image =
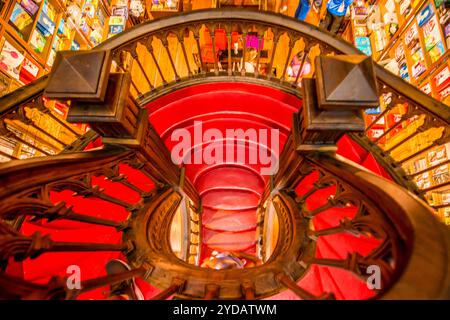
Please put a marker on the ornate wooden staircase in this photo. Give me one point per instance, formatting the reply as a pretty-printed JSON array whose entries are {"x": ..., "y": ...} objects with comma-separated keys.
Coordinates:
[{"x": 84, "y": 198}]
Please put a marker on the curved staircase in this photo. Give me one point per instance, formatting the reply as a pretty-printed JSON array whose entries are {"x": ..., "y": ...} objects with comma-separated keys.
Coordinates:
[{"x": 114, "y": 197}]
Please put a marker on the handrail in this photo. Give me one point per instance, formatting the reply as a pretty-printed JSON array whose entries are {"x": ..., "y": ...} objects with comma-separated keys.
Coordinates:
[
  {"x": 395, "y": 171},
  {"x": 22, "y": 94},
  {"x": 15, "y": 175},
  {"x": 426, "y": 273}
]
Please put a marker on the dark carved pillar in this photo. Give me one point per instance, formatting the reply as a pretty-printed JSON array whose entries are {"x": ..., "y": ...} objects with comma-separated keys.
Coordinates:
[
  {"x": 333, "y": 101},
  {"x": 333, "y": 104}
]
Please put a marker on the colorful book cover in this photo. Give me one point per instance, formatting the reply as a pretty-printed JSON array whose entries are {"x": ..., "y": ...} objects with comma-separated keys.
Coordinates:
[
  {"x": 442, "y": 78},
  {"x": 363, "y": 44},
  {"x": 418, "y": 69},
  {"x": 405, "y": 7},
  {"x": 376, "y": 110},
  {"x": 117, "y": 21},
  {"x": 438, "y": 3},
  {"x": 20, "y": 18},
  {"x": 375, "y": 133},
  {"x": 438, "y": 155},
  {"x": 51, "y": 58},
  {"x": 424, "y": 15},
  {"x": 360, "y": 11},
  {"x": 446, "y": 197},
  {"x": 89, "y": 9},
  {"x": 437, "y": 51},
  {"x": 404, "y": 73},
  {"x": 10, "y": 60},
  {"x": 360, "y": 31},
  {"x": 120, "y": 11},
  {"x": 38, "y": 41},
  {"x": 447, "y": 30},
  {"x": 75, "y": 46},
  {"x": 400, "y": 52},
  {"x": 101, "y": 16},
  {"x": 30, "y": 6},
  {"x": 426, "y": 88},
  {"x": 411, "y": 34},
  {"x": 444, "y": 93},
  {"x": 74, "y": 13},
  {"x": 440, "y": 175},
  {"x": 423, "y": 180},
  {"x": 45, "y": 25},
  {"x": 96, "y": 36},
  {"x": 432, "y": 38},
  {"x": 116, "y": 29},
  {"x": 420, "y": 164},
  {"x": 85, "y": 25},
  {"x": 49, "y": 10},
  {"x": 28, "y": 72},
  {"x": 370, "y": 118}
]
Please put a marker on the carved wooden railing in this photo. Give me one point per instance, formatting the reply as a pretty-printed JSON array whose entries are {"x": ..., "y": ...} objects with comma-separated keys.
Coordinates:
[
  {"x": 309, "y": 166},
  {"x": 411, "y": 250},
  {"x": 128, "y": 74},
  {"x": 32, "y": 126},
  {"x": 29, "y": 196}
]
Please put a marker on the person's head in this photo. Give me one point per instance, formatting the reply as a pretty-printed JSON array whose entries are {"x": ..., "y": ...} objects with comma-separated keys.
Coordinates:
[{"x": 252, "y": 54}]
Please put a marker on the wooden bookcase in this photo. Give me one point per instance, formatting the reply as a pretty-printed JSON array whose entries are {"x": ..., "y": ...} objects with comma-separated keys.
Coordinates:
[{"x": 36, "y": 29}]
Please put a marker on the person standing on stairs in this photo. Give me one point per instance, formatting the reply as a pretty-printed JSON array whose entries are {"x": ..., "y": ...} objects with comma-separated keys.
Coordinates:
[
  {"x": 336, "y": 10},
  {"x": 302, "y": 9}
]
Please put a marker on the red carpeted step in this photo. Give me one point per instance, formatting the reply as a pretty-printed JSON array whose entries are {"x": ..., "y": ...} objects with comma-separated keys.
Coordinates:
[
  {"x": 371, "y": 163},
  {"x": 351, "y": 150},
  {"x": 91, "y": 264},
  {"x": 230, "y": 177},
  {"x": 230, "y": 191},
  {"x": 229, "y": 220},
  {"x": 229, "y": 241}
]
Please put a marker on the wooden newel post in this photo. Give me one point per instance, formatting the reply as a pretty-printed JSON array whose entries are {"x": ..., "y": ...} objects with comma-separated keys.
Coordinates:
[
  {"x": 102, "y": 99},
  {"x": 333, "y": 104},
  {"x": 334, "y": 100}
]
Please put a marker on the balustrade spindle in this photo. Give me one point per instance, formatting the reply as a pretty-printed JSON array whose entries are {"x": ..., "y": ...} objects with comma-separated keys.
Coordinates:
[
  {"x": 149, "y": 47},
  {"x": 211, "y": 292},
  {"x": 291, "y": 285},
  {"x": 165, "y": 42},
  {"x": 20, "y": 247},
  {"x": 176, "y": 286},
  {"x": 292, "y": 41},
  {"x": 135, "y": 56},
  {"x": 248, "y": 291},
  {"x": 183, "y": 49},
  {"x": 276, "y": 37}
]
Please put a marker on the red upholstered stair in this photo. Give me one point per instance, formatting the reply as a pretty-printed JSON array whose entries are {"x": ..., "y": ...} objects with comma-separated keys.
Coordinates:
[{"x": 230, "y": 192}]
